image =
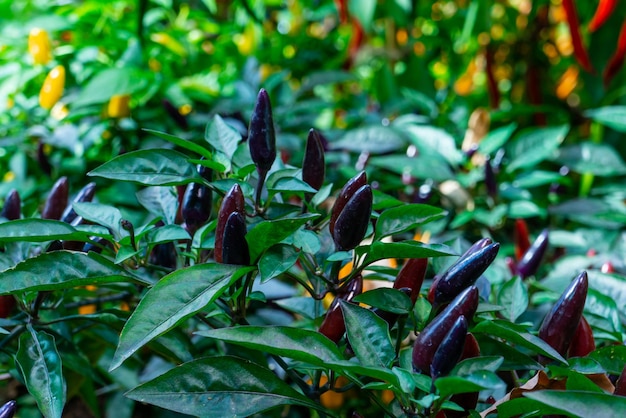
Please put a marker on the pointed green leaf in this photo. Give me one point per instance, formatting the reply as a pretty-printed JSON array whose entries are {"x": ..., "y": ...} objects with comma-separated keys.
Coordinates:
[
  {"x": 612, "y": 116},
  {"x": 475, "y": 382},
  {"x": 405, "y": 249},
  {"x": 174, "y": 298},
  {"x": 496, "y": 139},
  {"x": 219, "y": 387},
  {"x": 535, "y": 145},
  {"x": 105, "y": 215},
  {"x": 151, "y": 167},
  {"x": 223, "y": 138},
  {"x": 402, "y": 218},
  {"x": 276, "y": 261},
  {"x": 513, "y": 296},
  {"x": 368, "y": 335},
  {"x": 160, "y": 201},
  {"x": 387, "y": 299},
  {"x": 38, "y": 230},
  {"x": 40, "y": 364},
  {"x": 267, "y": 233},
  {"x": 183, "y": 143},
  {"x": 62, "y": 270},
  {"x": 582, "y": 404},
  {"x": 296, "y": 343}
]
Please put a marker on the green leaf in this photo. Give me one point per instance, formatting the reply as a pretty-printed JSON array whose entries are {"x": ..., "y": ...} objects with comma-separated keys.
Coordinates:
[
  {"x": 513, "y": 296},
  {"x": 582, "y": 404},
  {"x": 174, "y": 298},
  {"x": 387, "y": 299},
  {"x": 374, "y": 139},
  {"x": 160, "y": 201},
  {"x": 151, "y": 167},
  {"x": 612, "y": 358},
  {"x": 40, "y": 364},
  {"x": 477, "y": 381},
  {"x": 105, "y": 215},
  {"x": 521, "y": 209},
  {"x": 368, "y": 335},
  {"x": 363, "y": 11},
  {"x": 420, "y": 167},
  {"x": 597, "y": 159},
  {"x": 612, "y": 116},
  {"x": 535, "y": 145},
  {"x": 183, "y": 143},
  {"x": 293, "y": 185},
  {"x": 223, "y": 138},
  {"x": 405, "y": 249},
  {"x": 402, "y": 218},
  {"x": 359, "y": 371},
  {"x": 513, "y": 358},
  {"x": 517, "y": 335},
  {"x": 525, "y": 407},
  {"x": 475, "y": 364},
  {"x": 296, "y": 343},
  {"x": 38, "y": 230},
  {"x": 219, "y": 387},
  {"x": 109, "y": 82},
  {"x": 276, "y": 261},
  {"x": 434, "y": 141},
  {"x": 62, "y": 270},
  {"x": 167, "y": 233},
  {"x": 267, "y": 233},
  {"x": 496, "y": 139}
]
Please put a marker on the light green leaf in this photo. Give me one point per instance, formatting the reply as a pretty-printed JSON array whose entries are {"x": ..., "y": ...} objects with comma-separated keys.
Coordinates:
[
  {"x": 276, "y": 261},
  {"x": 160, "y": 201},
  {"x": 582, "y": 404},
  {"x": 374, "y": 139},
  {"x": 105, "y": 215},
  {"x": 183, "y": 143},
  {"x": 535, "y": 145},
  {"x": 513, "y": 296},
  {"x": 405, "y": 249},
  {"x": 223, "y": 138},
  {"x": 612, "y": 116}
]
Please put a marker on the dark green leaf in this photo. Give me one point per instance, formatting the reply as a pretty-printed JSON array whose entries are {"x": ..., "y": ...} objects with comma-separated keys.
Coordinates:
[
  {"x": 167, "y": 233},
  {"x": 373, "y": 139},
  {"x": 175, "y": 297},
  {"x": 535, "y": 145},
  {"x": 582, "y": 404},
  {"x": 612, "y": 358},
  {"x": 105, "y": 215},
  {"x": 219, "y": 387},
  {"x": 368, "y": 335},
  {"x": 420, "y": 167},
  {"x": 183, "y": 143},
  {"x": 40, "y": 364},
  {"x": 276, "y": 261},
  {"x": 402, "y": 218},
  {"x": 475, "y": 382},
  {"x": 475, "y": 364},
  {"x": 151, "y": 167},
  {"x": 160, "y": 201},
  {"x": 296, "y": 343},
  {"x": 387, "y": 299},
  {"x": 223, "y": 138},
  {"x": 405, "y": 249},
  {"x": 513, "y": 296},
  {"x": 597, "y": 159},
  {"x": 38, "y": 230},
  {"x": 62, "y": 270},
  {"x": 496, "y": 139},
  {"x": 267, "y": 233},
  {"x": 612, "y": 116}
]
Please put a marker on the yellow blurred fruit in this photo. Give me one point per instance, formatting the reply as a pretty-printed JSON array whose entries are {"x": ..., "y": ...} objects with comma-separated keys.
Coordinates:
[
  {"x": 119, "y": 106},
  {"x": 52, "y": 88},
  {"x": 39, "y": 46}
]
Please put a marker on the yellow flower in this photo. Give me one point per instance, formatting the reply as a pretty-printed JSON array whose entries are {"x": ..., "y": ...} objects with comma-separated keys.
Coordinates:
[
  {"x": 52, "y": 88},
  {"x": 118, "y": 106},
  {"x": 39, "y": 46}
]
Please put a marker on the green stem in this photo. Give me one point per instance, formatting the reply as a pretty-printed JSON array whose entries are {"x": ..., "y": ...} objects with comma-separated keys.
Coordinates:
[{"x": 258, "y": 209}]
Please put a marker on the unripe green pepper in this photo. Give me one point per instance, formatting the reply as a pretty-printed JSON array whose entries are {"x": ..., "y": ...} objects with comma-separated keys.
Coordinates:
[
  {"x": 12, "y": 209},
  {"x": 351, "y": 224},
  {"x": 529, "y": 264},
  {"x": 333, "y": 325},
  {"x": 261, "y": 135},
  {"x": 313, "y": 165},
  {"x": 345, "y": 194},
  {"x": 57, "y": 200},
  {"x": 450, "y": 349},
  {"x": 235, "y": 247},
  {"x": 85, "y": 194},
  {"x": 8, "y": 409},
  {"x": 583, "y": 342},
  {"x": 463, "y": 273},
  {"x": 233, "y": 202},
  {"x": 427, "y": 342},
  {"x": 560, "y": 324}
]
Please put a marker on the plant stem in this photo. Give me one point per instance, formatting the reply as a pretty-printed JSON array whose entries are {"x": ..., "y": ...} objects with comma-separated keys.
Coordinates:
[{"x": 258, "y": 209}]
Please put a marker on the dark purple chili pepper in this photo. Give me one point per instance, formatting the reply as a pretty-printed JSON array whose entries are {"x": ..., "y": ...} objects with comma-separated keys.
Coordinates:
[
  {"x": 233, "y": 202},
  {"x": 8, "y": 409},
  {"x": 235, "y": 247},
  {"x": 345, "y": 194},
  {"x": 490, "y": 179},
  {"x": 173, "y": 113},
  {"x": 529, "y": 264},
  {"x": 620, "y": 385},
  {"x": 583, "y": 342},
  {"x": 411, "y": 276},
  {"x": 84, "y": 195},
  {"x": 261, "y": 134},
  {"x": 450, "y": 349},
  {"x": 469, "y": 400},
  {"x": 428, "y": 340},
  {"x": 351, "y": 224},
  {"x": 333, "y": 325},
  {"x": 560, "y": 324},
  {"x": 57, "y": 200},
  {"x": 463, "y": 273},
  {"x": 313, "y": 165},
  {"x": 197, "y": 205},
  {"x": 12, "y": 209}
]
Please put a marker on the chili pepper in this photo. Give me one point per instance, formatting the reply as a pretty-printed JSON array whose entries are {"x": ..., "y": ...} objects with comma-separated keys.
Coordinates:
[
  {"x": 233, "y": 202},
  {"x": 351, "y": 224},
  {"x": 560, "y": 324},
  {"x": 12, "y": 209},
  {"x": 411, "y": 276},
  {"x": 57, "y": 200},
  {"x": 580, "y": 52},
  {"x": 42, "y": 158},
  {"x": 8, "y": 409},
  {"x": 39, "y": 46},
  {"x": 261, "y": 135},
  {"x": 197, "y": 203},
  {"x": 7, "y": 304},
  {"x": 164, "y": 254},
  {"x": 582, "y": 342},
  {"x": 603, "y": 12},
  {"x": 85, "y": 194},
  {"x": 333, "y": 325},
  {"x": 174, "y": 114},
  {"x": 533, "y": 85},
  {"x": 463, "y": 274},
  {"x": 52, "y": 88},
  {"x": 450, "y": 349},
  {"x": 529, "y": 264},
  {"x": 345, "y": 194},
  {"x": 520, "y": 236},
  {"x": 235, "y": 247},
  {"x": 620, "y": 385},
  {"x": 617, "y": 60},
  {"x": 118, "y": 106},
  {"x": 469, "y": 400},
  {"x": 427, "y": 342},
  {"x": 492, "y": 83},
  {"x": 490, "y": 179},
  {"x": 313, "y": 166}
]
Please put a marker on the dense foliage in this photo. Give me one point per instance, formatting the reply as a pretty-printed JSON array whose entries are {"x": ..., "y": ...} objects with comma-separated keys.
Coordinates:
[{"x": 312, "y": 208}]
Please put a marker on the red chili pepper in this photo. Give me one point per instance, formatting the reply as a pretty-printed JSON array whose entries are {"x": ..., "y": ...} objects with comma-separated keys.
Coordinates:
[
  {"x": 522, "y": 242},
  {"x": 579, "y": 49},
  {"x": 411, "y": 276},
  {"x": 603, "y": 12},
  {"x": 583, "y": 342},
  {"x": 333, "y": 325},
  {"x": 620, "y": 385},
  {"x": 617, "y": 60},
  {"x": 533, "y": 84},
  {"x": 233, "y": 202},
  {"x": 492, "y": 84}
]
